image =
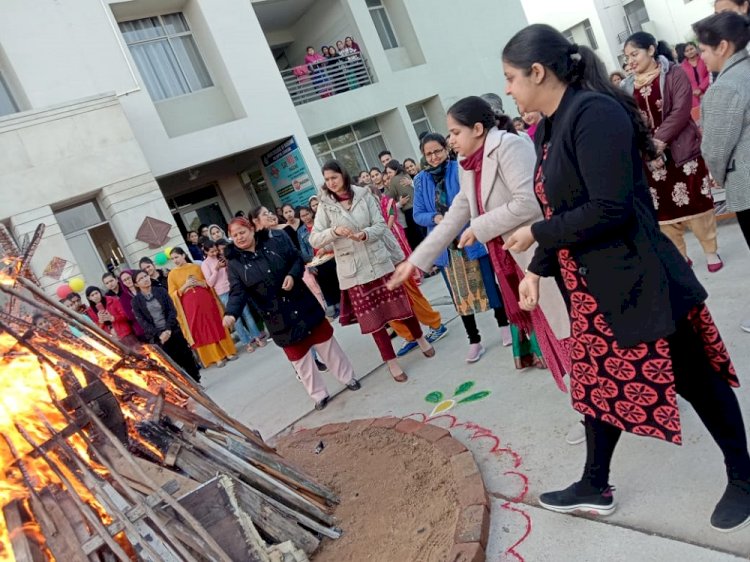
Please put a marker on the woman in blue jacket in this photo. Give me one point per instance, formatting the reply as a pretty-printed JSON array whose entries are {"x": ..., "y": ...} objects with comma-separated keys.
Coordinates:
[{"x": 467, "y": 272}]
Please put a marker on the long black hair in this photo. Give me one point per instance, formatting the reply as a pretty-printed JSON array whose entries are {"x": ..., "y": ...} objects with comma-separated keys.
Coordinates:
[
  {"x": 183, "y": 253},
  {"x": 473, "y": 109},
  {"x": 727, "y": 26},
  {"x": 574, "y": 65},
  {"x": 643, "y": 40}
]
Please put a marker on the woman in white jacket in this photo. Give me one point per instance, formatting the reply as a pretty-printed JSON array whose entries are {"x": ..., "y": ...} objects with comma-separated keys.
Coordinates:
[{"x": 349, "y": 219}]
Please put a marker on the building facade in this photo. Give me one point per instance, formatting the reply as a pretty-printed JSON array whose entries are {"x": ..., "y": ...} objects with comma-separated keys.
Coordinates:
[
  {"x": 125, "y": 123},
  {"x": 604, "y": 25}
]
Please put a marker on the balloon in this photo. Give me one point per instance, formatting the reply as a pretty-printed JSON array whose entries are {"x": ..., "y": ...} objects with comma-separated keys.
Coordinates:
[
  {"x": 161, "y": 259},
  {"x": 168, "y": 251},
  {"x": 76, "y": 284},
  {"x": 63, "y": 291}
]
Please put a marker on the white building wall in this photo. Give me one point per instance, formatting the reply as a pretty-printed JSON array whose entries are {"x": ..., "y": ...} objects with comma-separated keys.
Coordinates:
[
  {"x": 73, "y": 153},
  {"x": 78, "y": 53}
]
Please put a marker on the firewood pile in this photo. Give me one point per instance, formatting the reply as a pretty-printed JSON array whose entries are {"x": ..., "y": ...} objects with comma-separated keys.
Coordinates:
[{"x": 115, "y": 454}]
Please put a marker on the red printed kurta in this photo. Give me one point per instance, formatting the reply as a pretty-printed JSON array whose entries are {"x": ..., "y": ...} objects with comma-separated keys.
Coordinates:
[
  {"x": 631, "y": 388},
  {"x": 679, "y": 192}
]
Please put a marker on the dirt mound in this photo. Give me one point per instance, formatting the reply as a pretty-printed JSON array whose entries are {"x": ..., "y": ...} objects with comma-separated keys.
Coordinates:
[{"x": 398, "y": 501}]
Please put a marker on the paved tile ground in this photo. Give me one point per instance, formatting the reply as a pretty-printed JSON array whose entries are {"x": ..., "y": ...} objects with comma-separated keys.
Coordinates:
[{"x": 665, "y": 493}]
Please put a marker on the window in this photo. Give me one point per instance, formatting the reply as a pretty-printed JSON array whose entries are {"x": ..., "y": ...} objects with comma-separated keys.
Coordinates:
[
  {"x": 636, "y": 14},
  {"x": 356, "y": 146},
  {"x": 590, "y": 34},
  {"x": 7, "y": 104},
  {"x": 418, "y": 118},
  {"x": 166, "y": 55},
  {"x": 382, "y": 24},
  {"x": 91, "y": 239}
]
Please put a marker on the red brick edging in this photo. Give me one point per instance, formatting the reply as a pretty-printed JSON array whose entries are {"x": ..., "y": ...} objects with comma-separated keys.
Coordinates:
[{"x": 473, "y": 525}]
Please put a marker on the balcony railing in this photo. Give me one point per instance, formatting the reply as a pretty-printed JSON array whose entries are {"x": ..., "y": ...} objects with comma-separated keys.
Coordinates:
[{"x": 310, "y": 82}]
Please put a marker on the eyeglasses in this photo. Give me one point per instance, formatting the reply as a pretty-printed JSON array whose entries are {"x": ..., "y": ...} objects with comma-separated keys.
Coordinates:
[{"x": 433, "y": 154}]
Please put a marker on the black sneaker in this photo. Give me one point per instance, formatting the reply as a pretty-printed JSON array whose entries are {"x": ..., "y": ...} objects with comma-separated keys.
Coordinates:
[
  {"x": 733, "y": 510},
  {"x": 322, "y": 404},
  {"x": 353, "y": 385},
  {"x": 570, "y": 500},
  {"x": 322, "y": 367}
]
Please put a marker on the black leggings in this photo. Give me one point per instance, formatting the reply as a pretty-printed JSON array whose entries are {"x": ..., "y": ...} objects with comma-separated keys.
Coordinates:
[
  {"x": 328, "y": 280},
  {"x": 743, "y": 217},
  {"x": 470, "y": 324},
  {"x": 178, "y": 349},
  {"x": 711, "y": 397}
]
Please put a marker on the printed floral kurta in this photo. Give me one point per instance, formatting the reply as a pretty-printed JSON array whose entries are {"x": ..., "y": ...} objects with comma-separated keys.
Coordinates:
[{"x": 679, "y": 192}]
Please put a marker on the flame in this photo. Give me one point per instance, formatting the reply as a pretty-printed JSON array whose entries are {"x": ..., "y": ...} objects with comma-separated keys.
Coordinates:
[{"x": 27, "y": 388}]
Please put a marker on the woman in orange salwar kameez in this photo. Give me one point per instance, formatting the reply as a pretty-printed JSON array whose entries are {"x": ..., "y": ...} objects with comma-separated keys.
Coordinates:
[{"x": 199, "y": 312}]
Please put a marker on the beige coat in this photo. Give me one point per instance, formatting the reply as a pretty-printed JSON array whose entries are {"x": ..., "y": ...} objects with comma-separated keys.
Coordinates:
[
  {"x": 509, "y": 203},
  {"x": 356, "y": 262}
]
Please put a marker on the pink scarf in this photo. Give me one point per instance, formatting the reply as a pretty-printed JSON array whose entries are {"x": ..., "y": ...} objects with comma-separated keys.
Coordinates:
[{"x": 509, "y": 276}]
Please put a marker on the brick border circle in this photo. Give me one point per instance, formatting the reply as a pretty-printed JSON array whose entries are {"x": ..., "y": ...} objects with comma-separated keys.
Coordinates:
[{"x": 473, "y": 523}]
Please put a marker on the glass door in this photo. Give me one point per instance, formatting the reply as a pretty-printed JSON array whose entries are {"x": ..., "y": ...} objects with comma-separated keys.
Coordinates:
[{"x": 208, "y": 212}]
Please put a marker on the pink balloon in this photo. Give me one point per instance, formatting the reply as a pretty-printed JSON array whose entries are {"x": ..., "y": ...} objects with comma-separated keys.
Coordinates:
[{"x": 63, "y": 291}]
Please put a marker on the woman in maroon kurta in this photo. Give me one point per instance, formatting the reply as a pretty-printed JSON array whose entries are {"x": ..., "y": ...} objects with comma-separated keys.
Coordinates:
[
  {"x": 641, "y": 332},
  {"x": 679, "y": 181}
]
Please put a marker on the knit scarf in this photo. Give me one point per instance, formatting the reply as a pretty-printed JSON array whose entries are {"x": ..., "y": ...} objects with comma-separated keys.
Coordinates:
[
  {"x": 441, "y": 193},
  {"x": 646, "y": 78}
]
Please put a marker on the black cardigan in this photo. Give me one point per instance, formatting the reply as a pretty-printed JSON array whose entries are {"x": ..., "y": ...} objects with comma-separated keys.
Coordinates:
[
  {"x": 144, "y": 318},
  {"x": 603, "y": 213},
  {"x": 290, "y": 316}
]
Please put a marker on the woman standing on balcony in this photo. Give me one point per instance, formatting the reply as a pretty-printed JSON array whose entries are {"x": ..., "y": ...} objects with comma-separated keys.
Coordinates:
[
  {"x": 349, "y": 219},
  {"x": 317, "y": 65},
  {"x": 352, "y": 62}
]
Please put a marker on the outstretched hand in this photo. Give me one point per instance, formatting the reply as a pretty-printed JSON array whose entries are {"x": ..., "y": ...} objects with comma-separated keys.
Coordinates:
[{"x": 403, "y": 272}]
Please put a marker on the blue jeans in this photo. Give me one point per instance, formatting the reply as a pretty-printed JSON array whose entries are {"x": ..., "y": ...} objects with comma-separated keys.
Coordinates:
[{"x": 246, "y": 327}]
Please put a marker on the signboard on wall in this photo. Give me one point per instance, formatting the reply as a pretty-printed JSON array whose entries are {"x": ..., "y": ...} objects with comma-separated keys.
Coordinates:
[{"x": 287, "y": 173}]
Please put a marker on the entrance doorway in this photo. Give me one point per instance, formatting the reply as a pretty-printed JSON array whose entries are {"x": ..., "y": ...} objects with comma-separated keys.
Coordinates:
[{"x": 202, "y": 206}]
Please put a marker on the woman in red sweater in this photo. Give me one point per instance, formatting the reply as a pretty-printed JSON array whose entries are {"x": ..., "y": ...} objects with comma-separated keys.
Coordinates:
[{"x": 108, "y": 314}]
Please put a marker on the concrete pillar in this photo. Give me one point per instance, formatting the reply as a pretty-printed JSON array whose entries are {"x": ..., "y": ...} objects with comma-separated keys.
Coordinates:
[
  {"x": 53, "y": 245},
  {"x": 126, "y": 204}
]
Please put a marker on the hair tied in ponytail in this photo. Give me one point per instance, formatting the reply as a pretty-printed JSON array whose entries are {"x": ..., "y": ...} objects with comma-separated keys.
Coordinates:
[{"x": 573, "y": 49}]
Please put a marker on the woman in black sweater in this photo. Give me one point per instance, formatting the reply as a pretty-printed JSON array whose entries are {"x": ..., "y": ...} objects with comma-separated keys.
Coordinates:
[
  {"x": 640, "y": 330},
  {"x": 157, "y": 316}
]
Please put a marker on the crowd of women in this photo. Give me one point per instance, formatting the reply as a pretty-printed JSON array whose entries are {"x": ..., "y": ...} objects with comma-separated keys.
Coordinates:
[{"x": 575, "y": 241}]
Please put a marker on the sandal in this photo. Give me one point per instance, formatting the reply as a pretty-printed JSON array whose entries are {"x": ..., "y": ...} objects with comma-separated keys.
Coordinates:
[
  {"x": 250, "y": 348},
  {"x": 429, "y": 353},
  {"x": 261, "y": 342},
  {"x": 398, "y": 377}
]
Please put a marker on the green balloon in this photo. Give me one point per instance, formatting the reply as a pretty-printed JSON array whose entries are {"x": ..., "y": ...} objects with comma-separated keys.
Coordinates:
[{"x": 161, "y": 259}]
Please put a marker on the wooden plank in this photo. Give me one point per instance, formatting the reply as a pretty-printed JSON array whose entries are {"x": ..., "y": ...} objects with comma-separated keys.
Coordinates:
[
  {"x": 61, "y": 540},
  {"x": 257, "y": 478},
  {"x": 215, "y": 508},
  {"x": 274, "y": 464},
  {"x": 24, "y": 549},
  {"x": 277, "y": 525}
]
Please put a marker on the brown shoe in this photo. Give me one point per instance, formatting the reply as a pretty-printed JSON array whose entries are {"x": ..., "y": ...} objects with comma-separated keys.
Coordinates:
[
  {"x": 401, "y": 377},
  {"x": 430, "y": 352}
]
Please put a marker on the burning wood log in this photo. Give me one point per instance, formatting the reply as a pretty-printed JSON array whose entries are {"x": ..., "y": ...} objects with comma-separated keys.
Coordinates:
[{"x": 99, "y": 443}]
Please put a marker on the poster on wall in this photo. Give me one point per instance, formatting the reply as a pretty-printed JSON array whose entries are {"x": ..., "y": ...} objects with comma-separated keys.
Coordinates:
[{"x": 287, "y": 173}]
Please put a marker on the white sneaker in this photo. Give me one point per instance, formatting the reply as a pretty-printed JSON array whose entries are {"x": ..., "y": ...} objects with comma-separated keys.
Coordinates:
[
  {"x": 476, "y": 350},
  {"x": 506, "y": 335},
  {"x": 745, "y": 325},
  {"x": 576, "y": 435}
]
